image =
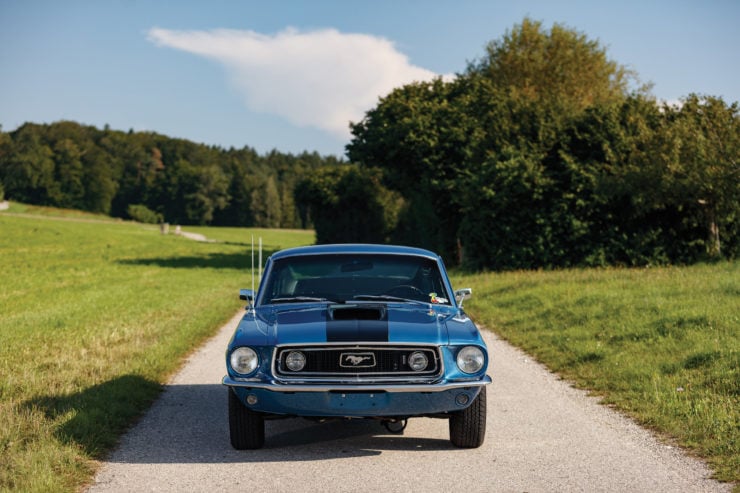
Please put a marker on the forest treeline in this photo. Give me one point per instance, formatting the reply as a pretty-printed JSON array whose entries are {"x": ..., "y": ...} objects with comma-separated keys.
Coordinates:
[
  {"x": 543, "y": 153},
  {"x": 151, "y": 177}
]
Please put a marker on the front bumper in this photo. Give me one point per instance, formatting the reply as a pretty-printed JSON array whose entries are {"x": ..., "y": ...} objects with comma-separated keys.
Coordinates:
[{"x": 356, "y": 400}]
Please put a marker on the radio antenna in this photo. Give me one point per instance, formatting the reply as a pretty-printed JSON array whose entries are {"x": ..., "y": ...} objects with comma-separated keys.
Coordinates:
[
  {"x": 259, "y": 276},
  {"x": 252, "y": 265}
]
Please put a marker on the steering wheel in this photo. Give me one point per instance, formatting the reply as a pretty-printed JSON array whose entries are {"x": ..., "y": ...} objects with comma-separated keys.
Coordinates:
[{"x": 406, "y": 291}]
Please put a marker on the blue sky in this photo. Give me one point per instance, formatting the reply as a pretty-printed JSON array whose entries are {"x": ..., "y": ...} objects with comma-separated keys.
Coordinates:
[{"x": 290, "y": 75}]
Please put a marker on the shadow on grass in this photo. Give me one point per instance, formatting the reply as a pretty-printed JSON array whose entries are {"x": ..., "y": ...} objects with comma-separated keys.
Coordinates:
[
  {"x": 99, "y": 414},
  {"x": 206, "y": 261}
]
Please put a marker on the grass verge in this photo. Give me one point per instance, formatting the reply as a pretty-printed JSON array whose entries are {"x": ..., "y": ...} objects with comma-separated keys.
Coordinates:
[
  {"x": 95, "y": 317},
  {"x": 660, "y": 344}
]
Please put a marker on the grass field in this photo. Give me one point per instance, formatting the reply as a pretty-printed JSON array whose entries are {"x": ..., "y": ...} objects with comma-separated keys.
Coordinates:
[
  {"x": 661, "y": 344},
  {"x": 95, "y": 316},
  {"x": 97, "y": 313}
]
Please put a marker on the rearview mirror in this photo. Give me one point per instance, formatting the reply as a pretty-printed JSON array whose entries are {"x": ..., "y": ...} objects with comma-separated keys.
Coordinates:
[
  {"x": 246, "y": 295},
  {"x": 463, "y": 294}
]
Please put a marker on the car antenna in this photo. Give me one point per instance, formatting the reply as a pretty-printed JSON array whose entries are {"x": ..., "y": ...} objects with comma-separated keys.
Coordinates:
[
  {"x": 259, "y": 267},
  {"x": 252, "y": 265},
  {"x": 259, "y": 264}
]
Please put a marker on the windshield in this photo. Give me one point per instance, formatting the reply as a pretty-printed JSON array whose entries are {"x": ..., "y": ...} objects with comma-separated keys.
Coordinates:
[{"x": 345, "y": 277}]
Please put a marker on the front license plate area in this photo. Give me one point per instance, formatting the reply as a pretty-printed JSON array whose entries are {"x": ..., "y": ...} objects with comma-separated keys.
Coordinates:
[{"x": 358, "y": 401}]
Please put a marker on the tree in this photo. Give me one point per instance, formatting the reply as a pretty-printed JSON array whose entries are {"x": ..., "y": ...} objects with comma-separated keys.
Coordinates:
[
  {"x": 68, "y": 173},
  {"x": 419, "y": 137},
  {"x": 348, "y": 204},
  {"x": 613, "y": 157},
  {"x": 5, "y": 149},
  {"x": 99, "y": 180},
  {"x": 289, "y": 213},
  {"x": 265, "y": 204},
  {"x": 70, "y": 165},
  {"x": 560, "y": 66},
  {"x": 239, "y": 166},
  {"x": 484, "y": 148},
  {"x": 28, "y": 170},
  {"x": 708, "y": 167}
]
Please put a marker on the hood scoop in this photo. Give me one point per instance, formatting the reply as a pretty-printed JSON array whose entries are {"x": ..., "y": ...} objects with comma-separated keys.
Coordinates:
[{"x": 357, "y": 313}]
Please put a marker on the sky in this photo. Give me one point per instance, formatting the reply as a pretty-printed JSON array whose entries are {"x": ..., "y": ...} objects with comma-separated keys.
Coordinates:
[{"x": 291, "y": 75}]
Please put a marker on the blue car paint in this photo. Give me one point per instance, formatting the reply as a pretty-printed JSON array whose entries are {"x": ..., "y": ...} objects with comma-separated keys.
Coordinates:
[
  {"x": 355, "y": 404},
  {"x": 266, "y": 326}
]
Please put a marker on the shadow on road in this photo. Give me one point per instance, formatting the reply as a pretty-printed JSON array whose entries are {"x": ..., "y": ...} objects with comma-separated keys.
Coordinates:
[{"x": 189, "y": 424}]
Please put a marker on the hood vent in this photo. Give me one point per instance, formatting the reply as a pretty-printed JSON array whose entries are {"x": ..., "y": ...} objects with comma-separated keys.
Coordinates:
[{"x": 357, "y": 313}]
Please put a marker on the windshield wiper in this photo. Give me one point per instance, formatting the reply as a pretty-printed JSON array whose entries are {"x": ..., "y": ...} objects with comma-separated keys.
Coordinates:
[
  {"x": 386, "y": 297},
  {"x": 301, "y": 299}
]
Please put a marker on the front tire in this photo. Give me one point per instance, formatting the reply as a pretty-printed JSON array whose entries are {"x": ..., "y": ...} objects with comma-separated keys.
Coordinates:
[
  {"x": 468, "y": 427},
  {"x": 246, "y": 427}
]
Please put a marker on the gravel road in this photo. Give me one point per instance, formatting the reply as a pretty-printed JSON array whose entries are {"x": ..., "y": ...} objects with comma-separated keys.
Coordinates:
[{"x": 543, "y": 435}]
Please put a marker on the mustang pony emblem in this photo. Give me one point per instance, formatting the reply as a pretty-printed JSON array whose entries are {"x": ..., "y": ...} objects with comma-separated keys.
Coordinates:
[
  {"x": 359, "y": 360},
  {"x": 356, "y": 360}
]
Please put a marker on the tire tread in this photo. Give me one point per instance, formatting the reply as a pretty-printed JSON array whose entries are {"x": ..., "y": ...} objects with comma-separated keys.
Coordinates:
[
  {"x": 468, "y": 427},
  {"x": 246, "y": 427}
]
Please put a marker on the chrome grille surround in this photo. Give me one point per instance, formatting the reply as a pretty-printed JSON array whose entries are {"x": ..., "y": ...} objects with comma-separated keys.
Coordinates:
[{"x": 374, "y": 363}]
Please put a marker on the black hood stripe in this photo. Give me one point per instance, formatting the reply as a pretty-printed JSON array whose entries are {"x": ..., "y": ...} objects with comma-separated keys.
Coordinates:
[
  {"x": 348, "y": 330},
  {"x": 349, "y": 325},
  {"x": 357, "y": 330}
]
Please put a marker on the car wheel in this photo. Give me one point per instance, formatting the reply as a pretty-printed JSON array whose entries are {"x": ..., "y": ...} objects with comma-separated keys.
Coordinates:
[
  {"x": 468, "y": 427},
  {"x": 246, "y": 427}
]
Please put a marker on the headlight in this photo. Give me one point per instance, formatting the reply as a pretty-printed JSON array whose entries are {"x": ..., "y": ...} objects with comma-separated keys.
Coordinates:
[
  {"x": 295, "y": 361},
  {"x": 244, "y": 360},
  {"x": 418, "y": 361},
  {"x": 470, "y": 359}
]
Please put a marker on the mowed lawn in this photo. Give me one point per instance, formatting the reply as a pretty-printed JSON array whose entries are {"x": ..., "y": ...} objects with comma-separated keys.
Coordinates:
[
  {"x": 661, "y": 344},
  {"x": 94, "y": 316}
]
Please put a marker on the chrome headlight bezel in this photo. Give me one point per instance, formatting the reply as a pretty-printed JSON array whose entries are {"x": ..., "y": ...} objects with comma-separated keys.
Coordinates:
[
  {"x": 295, "y": 361},
  {"x": 418, "y": 361},
  {"x": 244, "y": 360},
  {"x": 471, "y": 359}
]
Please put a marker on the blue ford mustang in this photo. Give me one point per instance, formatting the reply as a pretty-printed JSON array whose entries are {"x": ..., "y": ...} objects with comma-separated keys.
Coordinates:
[{"x": 356, "y": 331}]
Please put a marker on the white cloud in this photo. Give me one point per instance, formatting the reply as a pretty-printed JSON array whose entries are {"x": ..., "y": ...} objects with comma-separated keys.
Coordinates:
[{"x": 322, "y": 79}]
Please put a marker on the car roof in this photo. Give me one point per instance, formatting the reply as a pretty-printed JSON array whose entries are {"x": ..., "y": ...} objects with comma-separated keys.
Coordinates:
[{"x": 354, "y": 248}]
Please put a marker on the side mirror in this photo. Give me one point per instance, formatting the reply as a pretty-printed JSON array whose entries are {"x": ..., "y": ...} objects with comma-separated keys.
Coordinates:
[
  {"x": 246, "y": 295},
  {"x": 463, "y": 294}
]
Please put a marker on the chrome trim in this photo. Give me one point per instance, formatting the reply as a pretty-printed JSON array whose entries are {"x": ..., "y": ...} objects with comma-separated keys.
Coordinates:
[
  {"x": 359, "y": 345},
  {"x": 424, "y": 376},
  {"x": 277, "y": 387},
  {"x": 353, "y": 379}
]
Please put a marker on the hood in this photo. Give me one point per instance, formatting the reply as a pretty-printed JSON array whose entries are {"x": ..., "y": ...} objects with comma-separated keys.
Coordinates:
[{"x": 362, "y": 323}]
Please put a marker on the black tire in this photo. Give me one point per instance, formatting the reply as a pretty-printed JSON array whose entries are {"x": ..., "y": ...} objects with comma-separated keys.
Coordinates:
[
  {"x": 246, "y": 427},
  {"x": 468, "y": 427}
]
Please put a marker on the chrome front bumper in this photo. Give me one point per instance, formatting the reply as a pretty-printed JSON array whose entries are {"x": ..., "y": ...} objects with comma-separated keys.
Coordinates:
[{"x": 354, "y": 387}]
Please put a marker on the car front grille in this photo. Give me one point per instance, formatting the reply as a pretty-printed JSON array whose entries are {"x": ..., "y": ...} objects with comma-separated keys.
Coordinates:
[{"x": 372, "y": 363}]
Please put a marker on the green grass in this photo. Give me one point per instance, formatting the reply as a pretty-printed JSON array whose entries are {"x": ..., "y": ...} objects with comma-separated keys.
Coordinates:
[
  {"x": 39, "y": 210},
  {"x": 661, "y": 344},
  {"x": 95, "y": 317},
  {"x": 243, "y": 237}
]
